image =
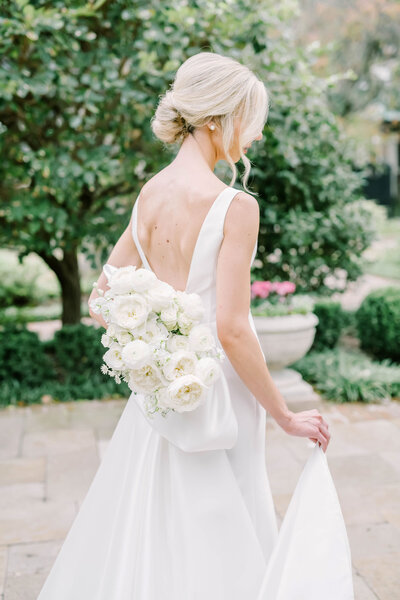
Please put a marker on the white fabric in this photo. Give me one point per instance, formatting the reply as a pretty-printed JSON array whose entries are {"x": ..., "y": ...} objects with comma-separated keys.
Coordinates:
[{"x": 181, "y": 508}]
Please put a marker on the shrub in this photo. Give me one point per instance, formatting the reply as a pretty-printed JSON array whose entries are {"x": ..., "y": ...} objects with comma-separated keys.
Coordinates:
[
  {"x": 331, "y": 320},
  {"x": 378, "y": 323},
  {"x": 22, "y": 358},
  {"x": 350, "y": 376}
]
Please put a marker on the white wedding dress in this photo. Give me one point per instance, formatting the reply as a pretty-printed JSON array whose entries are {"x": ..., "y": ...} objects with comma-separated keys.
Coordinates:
[{"x": 181, "y": 507}]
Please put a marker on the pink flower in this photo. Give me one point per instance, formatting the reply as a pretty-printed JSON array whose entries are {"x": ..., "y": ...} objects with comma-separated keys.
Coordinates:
[{"x": 260, "y": 289}]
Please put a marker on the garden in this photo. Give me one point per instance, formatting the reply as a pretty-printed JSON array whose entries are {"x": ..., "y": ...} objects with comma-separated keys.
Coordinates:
[{"x": 76, "y": 99}]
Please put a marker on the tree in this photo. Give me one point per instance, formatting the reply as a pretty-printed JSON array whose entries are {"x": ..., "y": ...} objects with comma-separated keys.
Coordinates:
[{"x": 78, "y": 87}]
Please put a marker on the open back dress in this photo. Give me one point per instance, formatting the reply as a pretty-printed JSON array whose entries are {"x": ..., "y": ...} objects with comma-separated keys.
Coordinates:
[{"x": 181, "y": 507}]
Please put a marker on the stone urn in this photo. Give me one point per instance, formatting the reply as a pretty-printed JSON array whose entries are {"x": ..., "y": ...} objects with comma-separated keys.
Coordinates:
[{"x": 285, "y": 339}]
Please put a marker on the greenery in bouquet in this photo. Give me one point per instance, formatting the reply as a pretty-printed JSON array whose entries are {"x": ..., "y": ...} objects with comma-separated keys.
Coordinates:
[{"x": 277, "y": 298}]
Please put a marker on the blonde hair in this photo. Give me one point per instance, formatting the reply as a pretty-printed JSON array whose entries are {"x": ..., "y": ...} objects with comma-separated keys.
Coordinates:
[{"x": 210, "y": 86}]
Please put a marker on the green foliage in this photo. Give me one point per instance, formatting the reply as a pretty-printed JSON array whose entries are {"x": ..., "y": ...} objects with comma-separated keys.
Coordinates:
[
  {"x": 349, "y": 376},
  {"x": 378, "y": 323},
  {"x": 78, "y": 87},
  {"x": 331, "y": 320},
  {"x": 66, "y": 367},
  {"x": 22, "y": 357}
]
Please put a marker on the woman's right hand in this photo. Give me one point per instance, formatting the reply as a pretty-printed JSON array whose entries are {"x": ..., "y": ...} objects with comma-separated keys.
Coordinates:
[{"x": 308, "y": 423}]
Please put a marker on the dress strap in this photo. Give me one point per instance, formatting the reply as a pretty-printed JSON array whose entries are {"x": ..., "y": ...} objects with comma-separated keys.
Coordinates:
[{"x": 135, "y": 235}]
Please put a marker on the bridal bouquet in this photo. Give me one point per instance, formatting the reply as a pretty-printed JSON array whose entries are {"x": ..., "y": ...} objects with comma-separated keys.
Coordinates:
[{"x": 156, "y": 341}]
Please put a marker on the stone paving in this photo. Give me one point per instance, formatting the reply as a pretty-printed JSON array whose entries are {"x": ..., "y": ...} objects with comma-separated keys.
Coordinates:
[{"x": 50, "y": 453}]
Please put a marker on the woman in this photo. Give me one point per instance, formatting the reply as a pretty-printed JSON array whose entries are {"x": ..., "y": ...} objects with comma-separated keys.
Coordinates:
[{"x": 181, "y": 508}]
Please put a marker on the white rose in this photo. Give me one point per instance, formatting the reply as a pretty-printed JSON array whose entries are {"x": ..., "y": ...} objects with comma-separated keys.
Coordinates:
[
  {"x": 120, "y": 280},
  {"x": 136, "y": 353},
  {"x": 185, "y": 393},
  {"x": 201, "y": 338},
  {"x": 113, "y": 357},
  {"x": 145, "y": 379},
  {"x": 208, "y": 370},
  {"x": 192, "y": 305},
  {"x": 180, "y": 363},
  {"x": 129, "y": 311},
  {"x": 177, "y": 341},
  {"x": 161, "y": 296}
]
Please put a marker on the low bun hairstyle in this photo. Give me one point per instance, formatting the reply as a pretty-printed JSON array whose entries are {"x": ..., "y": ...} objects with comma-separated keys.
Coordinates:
[{"x": 209, "y": 86}]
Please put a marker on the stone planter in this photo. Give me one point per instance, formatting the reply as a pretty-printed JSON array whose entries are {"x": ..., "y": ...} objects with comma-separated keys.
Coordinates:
[{"x": 285, "y": 339}]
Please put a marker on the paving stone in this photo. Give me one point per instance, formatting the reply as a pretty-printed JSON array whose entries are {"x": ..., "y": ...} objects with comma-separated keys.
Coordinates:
[
  {"x": 362, "y": 591},
  {"x": 70, "y": 474},
  {"x": 34, "y": 558},
  {"x": 3, "y": 567},
  {"x": 22, "y": 470},
  {"x": 21, "y": 495},
  {"x": 359, "y": 471},
  {"x": 373, "y": 540},
  {"x": 57, "y": 441},
  {"x": 36, "y": 521},
  {"x": 23, "y": 587},
  {"x": 11, "y": 431},
  {"x": 382, "y": 574}
]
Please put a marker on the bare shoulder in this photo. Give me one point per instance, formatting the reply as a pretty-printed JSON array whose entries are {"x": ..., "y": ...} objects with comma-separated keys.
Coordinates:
[{"x": 243, "y": 214}]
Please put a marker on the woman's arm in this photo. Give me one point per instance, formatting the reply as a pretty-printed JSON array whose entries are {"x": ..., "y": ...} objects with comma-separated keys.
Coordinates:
[
  {"x": 234, "y": 330},
  {"x": 124, "y": 253}
]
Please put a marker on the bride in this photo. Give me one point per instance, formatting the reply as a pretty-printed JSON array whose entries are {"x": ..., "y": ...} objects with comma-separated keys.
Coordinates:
[{"x": 181, "y": 508}]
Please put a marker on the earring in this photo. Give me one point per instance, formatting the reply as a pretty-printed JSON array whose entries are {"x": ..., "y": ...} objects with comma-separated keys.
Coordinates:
[{"x": 212, "y": 127}]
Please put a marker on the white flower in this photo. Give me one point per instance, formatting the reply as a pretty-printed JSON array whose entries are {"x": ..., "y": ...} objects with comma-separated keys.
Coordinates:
[
  {"x": 176, "y": 341},
  {"x": 169, "y": 316},
  {"x": 208, "y": 370},
  {"x": 161, "y": 296},
  {"x": 155, "y": 331},
  {"x": 123, "y": 337},
  {"x": 113, "y": 357},
  {"x": 98, "y": 304},
  {"x": 104, "y": 369},
  {"x": 129, "y": 311},
  {"x": 120, "y": 279},
  {"x": 191, "y": 305},
  {"x": 185, "y": 393},
  {"x": 201, "y": 339},
  {"x": 180, "y": 363},
  {"x": 144, "y": 280},
  {"x": 106, "y": 340},
  {"x": 145, "y": 379},
  {"x": 136, "y": 354},
  {"x": 185, "y": 323}
]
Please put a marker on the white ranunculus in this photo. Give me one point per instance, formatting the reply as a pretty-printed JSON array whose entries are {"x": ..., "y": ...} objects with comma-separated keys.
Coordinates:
[
  {"x": 191, "y": 305},
  {"x": 136, "y": 353},
  {"x": 208, "y": 370},
  {"x": 186, "y": 393},
  {"x": 181, "y": 362},
  {"x": 146, "y": 379},
  {"x": 129, "y": 311},
  {"x": 120, "y": 279},
  {"x": 176, "y": 341},
  {"x": 169, "y": 316},
  {"x": 113, "y": 357},
  {"x": 161, "y": 296},
  {"x": 201, "y": 338}
]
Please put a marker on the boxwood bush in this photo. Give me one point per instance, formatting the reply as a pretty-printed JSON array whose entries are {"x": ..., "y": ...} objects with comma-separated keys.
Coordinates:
[
  {"x": 378, "y": 323},
  {"x": 331, "y": 320},
  {"x": 65, "y": 368}
]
